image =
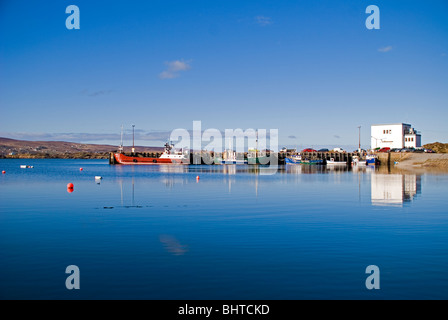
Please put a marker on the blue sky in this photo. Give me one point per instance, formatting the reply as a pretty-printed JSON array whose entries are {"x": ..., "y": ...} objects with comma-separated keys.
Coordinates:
[{"x": 308, "y": 68}]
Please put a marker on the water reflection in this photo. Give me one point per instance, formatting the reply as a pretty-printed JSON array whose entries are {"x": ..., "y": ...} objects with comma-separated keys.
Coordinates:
[
  {"x": 388, "y": 188},
  {"x": 394, "y": 189},
  {"x": 172, "y": 245}
]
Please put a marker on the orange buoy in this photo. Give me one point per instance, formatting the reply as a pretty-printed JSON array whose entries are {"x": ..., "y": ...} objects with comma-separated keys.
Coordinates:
[
  {"x": 70, "y": 186},
  {"x": 80, "y": 169},
  {"x": 197, "y": 177},
  {"x": 3, "y": 171}
]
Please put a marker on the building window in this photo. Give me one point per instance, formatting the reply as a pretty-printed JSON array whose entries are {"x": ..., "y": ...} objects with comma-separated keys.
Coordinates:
[{"x": 384, "y": 131}]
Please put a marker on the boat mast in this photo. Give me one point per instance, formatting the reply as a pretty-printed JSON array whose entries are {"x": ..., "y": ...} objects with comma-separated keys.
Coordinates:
[
  {"x": 256, "y": 145},
  {"x": 120, "y": 149}
]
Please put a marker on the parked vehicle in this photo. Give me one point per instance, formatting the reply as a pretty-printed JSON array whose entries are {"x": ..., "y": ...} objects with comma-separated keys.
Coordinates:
[
  {"x": 309, "y": 150},
  {"x": 385, "y": 149},
  {"x": 429, "y": 151},
  {"x": 338, "y": 150},
  {"x": 395, "y": 150},
  {"x": 323, "y": 150},
  {"x": 407, "y": 150}
]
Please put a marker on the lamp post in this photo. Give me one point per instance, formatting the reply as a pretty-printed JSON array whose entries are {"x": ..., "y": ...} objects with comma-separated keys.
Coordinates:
[{"x": 133, "y": 147}]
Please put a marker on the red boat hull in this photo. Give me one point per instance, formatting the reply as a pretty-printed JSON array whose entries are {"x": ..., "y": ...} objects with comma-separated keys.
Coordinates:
[{"x": 123, "y": 159}]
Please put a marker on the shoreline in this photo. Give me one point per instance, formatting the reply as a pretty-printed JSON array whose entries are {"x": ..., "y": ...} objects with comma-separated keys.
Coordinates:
[{"x": 415, "y": 162}]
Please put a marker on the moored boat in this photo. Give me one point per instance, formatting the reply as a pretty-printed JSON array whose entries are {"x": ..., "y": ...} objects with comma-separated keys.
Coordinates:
[
  {"x": 230, "y": 157},
  {"x": 371, "y": 159},
  {"x": 332, "y": 162},
  {"x": 294, "y": 159},
  {"x": 169, "y": 156},
  {"x": 316, "y": 161},
  {"x": 256, "y": 157},
  {"x": 358, "y": 162}
]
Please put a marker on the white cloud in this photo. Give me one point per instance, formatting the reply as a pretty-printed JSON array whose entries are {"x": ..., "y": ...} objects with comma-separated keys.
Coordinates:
[
  {"x": 385, "y": 49},
  {"x": 174, "y": 68},
  {"x": 263, "y": 21}
]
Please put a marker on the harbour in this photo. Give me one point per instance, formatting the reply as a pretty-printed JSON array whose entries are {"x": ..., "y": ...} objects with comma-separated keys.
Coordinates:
[
  {"x": 212, "y": 158},
  {"x": 270, "y": 152},
  {"x": 304, "y": 232}
]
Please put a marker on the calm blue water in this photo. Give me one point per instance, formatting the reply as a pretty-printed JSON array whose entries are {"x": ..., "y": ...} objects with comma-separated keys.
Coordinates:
[{"x": 155, "y": 232}]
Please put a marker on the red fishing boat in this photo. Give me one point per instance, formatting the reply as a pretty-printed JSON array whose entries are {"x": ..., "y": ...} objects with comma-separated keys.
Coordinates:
[{"x": 169, "y": 156}]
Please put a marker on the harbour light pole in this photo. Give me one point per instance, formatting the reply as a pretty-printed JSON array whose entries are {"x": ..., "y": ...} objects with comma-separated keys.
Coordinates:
[
  {"x": 359, "y": 139},
  {"x": 133, "y": 147}
]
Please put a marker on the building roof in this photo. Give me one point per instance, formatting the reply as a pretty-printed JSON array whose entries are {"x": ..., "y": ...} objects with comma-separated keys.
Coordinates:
[{"x": 391, "y": 124}]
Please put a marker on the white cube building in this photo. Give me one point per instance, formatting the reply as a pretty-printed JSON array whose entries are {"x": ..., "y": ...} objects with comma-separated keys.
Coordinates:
[{"x": 395, "y": 135}]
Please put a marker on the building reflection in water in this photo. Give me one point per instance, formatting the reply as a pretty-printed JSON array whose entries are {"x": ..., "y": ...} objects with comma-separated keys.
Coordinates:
[{"x": 394, "y": 189}]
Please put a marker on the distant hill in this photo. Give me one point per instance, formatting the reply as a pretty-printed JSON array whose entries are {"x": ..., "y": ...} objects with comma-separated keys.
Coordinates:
[
  {"x": 11, "y": 148},
  {"x": 437, "y": 147}
]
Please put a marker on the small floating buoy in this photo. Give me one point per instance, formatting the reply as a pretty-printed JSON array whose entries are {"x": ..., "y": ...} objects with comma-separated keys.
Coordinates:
[
  {"x": 69, "y": 190},
  {"x": 197, "y": 177},
  {"x": 3, "y": 171},
  {"x": 23, "y": 166},
  {"x": 80, "y": 169},
  {"x": 98, "y": 177},
  {"x": 70, "y": 186}
]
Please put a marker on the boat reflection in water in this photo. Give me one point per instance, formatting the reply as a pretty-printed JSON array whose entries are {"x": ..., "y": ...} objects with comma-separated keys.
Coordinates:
[
  {"x": 386, "y": 189},
  {"x": 394, "y": 189},
  {"x": 172, "y": 245}
]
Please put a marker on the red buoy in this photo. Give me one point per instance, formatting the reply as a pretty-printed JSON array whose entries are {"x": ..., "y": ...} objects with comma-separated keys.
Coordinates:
[
  {"x": 70, "y": 186},
  {"x": 3, "y": 171},
  {"x": 197, "y": 177},
  {"x": 80, "y": 169}
]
